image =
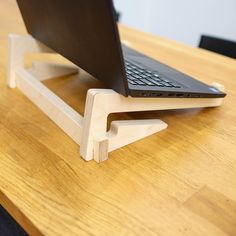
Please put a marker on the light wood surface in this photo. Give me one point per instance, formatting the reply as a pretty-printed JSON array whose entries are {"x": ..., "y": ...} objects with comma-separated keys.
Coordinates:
[{"x": 181, "y": 181}]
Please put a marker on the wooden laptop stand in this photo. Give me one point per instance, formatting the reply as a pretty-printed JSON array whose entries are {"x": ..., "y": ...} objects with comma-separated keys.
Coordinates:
[{"x": 90, "y": 131}]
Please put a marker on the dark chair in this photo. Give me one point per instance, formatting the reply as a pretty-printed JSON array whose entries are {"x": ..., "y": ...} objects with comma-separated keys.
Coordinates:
[
  {"x": 117, "y": 15},
  {"x": 8, "y": 226},
  {"x": 221, "y": 46}
]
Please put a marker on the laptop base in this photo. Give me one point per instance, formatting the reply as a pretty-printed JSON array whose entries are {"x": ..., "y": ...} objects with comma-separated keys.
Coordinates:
[{"x": 90, "y": 130}]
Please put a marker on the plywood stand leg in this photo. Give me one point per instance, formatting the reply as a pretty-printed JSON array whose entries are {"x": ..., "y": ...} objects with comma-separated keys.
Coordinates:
[{"x": 90, "y": 131}]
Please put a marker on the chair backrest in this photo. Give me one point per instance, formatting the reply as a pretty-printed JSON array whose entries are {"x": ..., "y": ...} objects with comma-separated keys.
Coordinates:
[
  {"x": 221, "y": 46},
  {"x": 117, "y": 15}
]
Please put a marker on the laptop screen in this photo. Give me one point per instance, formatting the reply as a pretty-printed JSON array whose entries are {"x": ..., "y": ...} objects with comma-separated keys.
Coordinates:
[{"x": 84, "y": 32}]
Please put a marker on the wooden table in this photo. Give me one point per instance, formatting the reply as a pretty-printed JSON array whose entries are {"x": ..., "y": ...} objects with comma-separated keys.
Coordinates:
[{"x": 181, "y": 181}]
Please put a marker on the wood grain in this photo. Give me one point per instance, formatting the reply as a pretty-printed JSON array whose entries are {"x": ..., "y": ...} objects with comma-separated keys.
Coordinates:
[
  {"x": 181, "y": 181},
  {"x": 214, "y": 207}
]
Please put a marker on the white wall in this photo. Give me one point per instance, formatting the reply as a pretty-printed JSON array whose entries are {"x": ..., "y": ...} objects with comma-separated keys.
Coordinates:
[{"x": 181, "y": 20}]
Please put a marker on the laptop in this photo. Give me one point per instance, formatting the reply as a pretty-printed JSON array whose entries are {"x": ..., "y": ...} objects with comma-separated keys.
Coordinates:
[{"x": 85, "y": 32}]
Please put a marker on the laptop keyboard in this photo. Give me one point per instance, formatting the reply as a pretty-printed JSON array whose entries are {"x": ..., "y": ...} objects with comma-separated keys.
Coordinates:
[{"x": 138, "y": 76}]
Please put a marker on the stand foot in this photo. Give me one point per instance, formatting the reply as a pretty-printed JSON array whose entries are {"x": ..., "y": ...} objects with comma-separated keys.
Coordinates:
[{"x": 124, "y": 132}]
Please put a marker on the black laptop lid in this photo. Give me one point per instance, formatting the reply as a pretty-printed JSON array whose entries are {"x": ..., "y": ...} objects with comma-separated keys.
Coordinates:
[{"x": 83, "y": 31}]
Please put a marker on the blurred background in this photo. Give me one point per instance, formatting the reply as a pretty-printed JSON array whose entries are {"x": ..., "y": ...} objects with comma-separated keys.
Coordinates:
[{"x": 183, "y": 20}]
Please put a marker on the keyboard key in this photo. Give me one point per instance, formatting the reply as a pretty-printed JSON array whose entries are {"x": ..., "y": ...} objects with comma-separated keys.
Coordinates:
[
  {"x": 137, "y": 76},
  {"x": 156, "y": 79},
  {"x": 168, "y": 85},
  {"x": 147, "y": 82},
  {"x": 165, "y": 80},
  {"x": 139, "y": 82},
  {"x": 158, "y": 84},
  {"x": 141, "y": 71},
  {"x": 144, "y": 76},
  {"x": 148, "y": 71},
  {"x": 131, "y": 82},
  {"x": 149, "y": 74},
  {"x": 131, "y": 77}
]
